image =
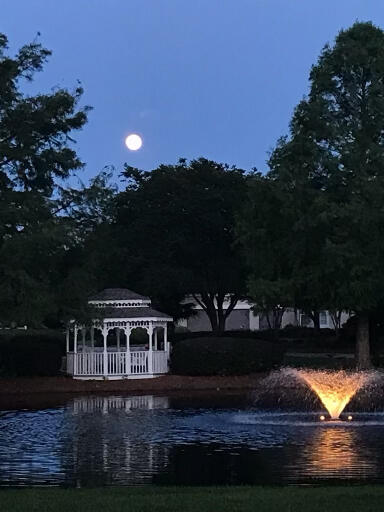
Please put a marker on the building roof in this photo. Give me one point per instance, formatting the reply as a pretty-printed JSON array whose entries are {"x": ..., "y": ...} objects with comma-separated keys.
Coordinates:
[
  {"x": 139, "y": 312},
  {"x": 117, "y": 294}
]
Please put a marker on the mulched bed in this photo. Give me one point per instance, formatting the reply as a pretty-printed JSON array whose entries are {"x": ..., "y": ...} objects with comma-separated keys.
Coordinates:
[{"x": 22, "y": 392}]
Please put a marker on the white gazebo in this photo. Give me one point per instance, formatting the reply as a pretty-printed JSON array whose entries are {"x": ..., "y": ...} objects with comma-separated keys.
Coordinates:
[{"x": 126, "y": 339}]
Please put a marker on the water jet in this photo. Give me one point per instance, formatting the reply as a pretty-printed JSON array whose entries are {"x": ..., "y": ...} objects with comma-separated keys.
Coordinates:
[{"x": 334, "y": 388}]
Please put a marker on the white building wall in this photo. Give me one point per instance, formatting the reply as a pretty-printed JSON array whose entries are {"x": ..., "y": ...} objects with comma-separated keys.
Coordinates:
[{"x": 243, "y": 317}]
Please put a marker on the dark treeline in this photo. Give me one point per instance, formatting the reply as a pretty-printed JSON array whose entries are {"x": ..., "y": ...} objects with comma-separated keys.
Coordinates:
[{"x": 308, "y": 233}]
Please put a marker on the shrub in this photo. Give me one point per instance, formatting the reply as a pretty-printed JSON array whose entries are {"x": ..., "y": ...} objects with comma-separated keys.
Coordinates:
[
  {"x": 289, "y": 332},
  {"x": 264, "y": 335},
  {"x": 32, "y": 354},
  {"x": 224, "y": 356},
  {"x": 297, "y": 332},
  {"x": 323, "y": 361}
]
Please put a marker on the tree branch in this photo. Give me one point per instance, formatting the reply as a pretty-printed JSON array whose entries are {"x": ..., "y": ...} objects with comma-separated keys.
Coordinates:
[
  {"x": 232, "y": 303},
  {"x": 199, "y": 302}
]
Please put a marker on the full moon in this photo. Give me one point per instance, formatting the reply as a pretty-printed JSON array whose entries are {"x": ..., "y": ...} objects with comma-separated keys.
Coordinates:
[{"x": 133, "y": 142}]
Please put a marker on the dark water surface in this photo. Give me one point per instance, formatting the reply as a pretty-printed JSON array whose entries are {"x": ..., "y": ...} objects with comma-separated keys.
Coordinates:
[{"x": 96, "y": 440}]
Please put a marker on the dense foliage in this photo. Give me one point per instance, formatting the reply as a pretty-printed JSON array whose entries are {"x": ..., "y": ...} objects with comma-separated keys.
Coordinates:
[
  {"x": 31, "y": 354},
  {"x": 224, "y": 356},
  {"x": 288, "y": 333}
]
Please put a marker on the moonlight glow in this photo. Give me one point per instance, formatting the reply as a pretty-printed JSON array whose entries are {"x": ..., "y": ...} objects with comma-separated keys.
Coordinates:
[{"x": 133, "y": 142}]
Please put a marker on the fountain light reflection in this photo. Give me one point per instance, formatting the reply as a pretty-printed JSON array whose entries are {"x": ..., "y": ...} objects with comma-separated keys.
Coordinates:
[{"x": 336, "y": 452}]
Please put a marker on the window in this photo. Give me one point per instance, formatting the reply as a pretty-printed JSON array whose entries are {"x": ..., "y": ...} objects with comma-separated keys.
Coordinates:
[{"x": 323, "y": 318}]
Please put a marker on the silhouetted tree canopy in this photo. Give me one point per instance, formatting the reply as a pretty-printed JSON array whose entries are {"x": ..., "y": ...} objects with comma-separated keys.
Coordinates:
[
  {"x": 175, "y": 227},
  {"x": 330, "y": 174}
]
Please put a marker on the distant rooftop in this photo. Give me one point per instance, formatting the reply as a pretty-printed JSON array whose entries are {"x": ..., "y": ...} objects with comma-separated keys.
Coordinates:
[{"x": 117, "y": 294}]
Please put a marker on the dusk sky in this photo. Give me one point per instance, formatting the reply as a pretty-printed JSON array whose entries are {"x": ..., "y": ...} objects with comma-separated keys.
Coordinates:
[{"x": 213, "y": 78}]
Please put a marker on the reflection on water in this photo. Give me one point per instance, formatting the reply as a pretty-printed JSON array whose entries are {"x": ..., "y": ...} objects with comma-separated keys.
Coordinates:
[
  {"x": 106, "y": 404},
  {"x": 121, "y": 451},
  {"x": 104, "y": 440},
  {"x": 337, "y": 453}
]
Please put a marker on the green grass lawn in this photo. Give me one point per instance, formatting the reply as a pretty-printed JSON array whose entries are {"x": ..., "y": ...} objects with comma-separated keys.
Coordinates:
[{"x": 199, "y": 499}]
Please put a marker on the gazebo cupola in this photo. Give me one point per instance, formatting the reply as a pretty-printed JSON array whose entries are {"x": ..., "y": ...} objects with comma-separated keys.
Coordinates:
[{"x": 107, "y": 349}]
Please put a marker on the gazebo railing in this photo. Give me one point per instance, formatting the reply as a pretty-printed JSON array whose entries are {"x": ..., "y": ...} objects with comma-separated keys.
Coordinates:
[
  {"x": 139, "y": 362},
  {"x": 117, "y": 363},
  {"x": 160, "y": 362}
]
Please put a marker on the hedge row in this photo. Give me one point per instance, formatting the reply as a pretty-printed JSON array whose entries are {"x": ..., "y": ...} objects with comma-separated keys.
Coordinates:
[
  {"x": 30, "y": 354},
  {"x": 288, "y": 333},
  {"x": 224, "y": 356}
]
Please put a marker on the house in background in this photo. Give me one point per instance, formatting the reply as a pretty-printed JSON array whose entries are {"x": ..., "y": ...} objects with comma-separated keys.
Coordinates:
[
  {"x": 244, "y": 318},
  {"x": 326, "y": 321},
  {"x": 241, "y": 318}
]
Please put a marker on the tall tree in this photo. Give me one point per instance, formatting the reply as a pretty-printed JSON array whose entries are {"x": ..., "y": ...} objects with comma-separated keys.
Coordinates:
[
  {"x": 176, "y": 228},
  {"x": 331, "y": 167},
  {"x": 35, "y": 154}
]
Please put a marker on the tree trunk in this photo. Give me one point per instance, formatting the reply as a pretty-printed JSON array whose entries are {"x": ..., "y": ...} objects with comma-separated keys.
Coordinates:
[
  {"x": 212, "y": 315},
  {"x": 373, "y": 341},
  {"x": 213, "y": 319},
  {"x": 213, "y": 305},
  {"x": 277, "y": 318},
  {"x": 221, "y": 324},
  {"x": 221, "y": 318},
  {"x": 336, "y": 320},
  {"x": 266, "y": 313},
  {"x": 316, "y": 320},
  {"x": 363, "y": 359},
  {"x": 206, "y": 301}
]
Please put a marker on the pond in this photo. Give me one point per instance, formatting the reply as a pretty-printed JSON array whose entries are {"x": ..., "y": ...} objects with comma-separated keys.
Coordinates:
[{"x": 139, "y": 440}]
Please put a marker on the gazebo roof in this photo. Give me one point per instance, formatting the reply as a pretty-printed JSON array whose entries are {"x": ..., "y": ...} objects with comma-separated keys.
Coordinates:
[
  {"x": 132, "y": 312},
  {"x": 117, "y": 294}
]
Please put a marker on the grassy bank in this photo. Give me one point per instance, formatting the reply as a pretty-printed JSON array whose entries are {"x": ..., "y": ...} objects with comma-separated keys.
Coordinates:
[{"x": 201, "y": 499}]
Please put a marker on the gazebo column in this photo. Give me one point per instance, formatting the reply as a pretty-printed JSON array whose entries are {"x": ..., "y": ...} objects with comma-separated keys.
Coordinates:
[
  {"x": 67, "y": 340},
  {"x": 150, "y": 351},
  {"x": 127, "y": 331},
  {"x": 166, "y": 344},
  {"x": 118, "y": 338},
  {"x": 105, "y": 353},
  {"x": 75, "y": 339},
  {"x": 83, "y": 332},
  {"x": 75, "y": 349},
  {"x": 155, "y": 338},
  {"x": 92, "y": 338}
]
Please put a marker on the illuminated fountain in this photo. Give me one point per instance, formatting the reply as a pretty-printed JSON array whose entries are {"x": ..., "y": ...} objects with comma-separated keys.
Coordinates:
[{"x": 334, "y": 388}]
